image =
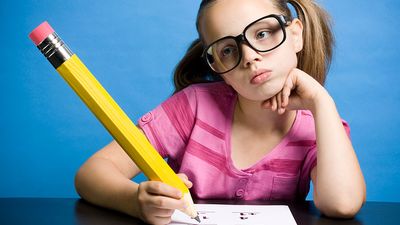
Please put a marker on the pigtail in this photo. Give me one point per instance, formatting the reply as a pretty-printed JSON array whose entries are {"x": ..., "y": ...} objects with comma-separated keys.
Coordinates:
[
  {"x": 192, "y": 68},
  {"x": 318, "y": 39}
]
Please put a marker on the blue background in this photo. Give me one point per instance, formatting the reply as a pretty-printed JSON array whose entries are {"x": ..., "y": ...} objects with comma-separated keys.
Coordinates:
[{"x": 132, "y": 48}]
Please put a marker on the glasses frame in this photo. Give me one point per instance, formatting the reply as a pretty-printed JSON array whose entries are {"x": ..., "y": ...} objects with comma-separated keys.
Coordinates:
[{"x": 241, "y": 38}]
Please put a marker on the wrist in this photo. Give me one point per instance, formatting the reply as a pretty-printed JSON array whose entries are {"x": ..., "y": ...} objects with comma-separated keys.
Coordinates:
[
  {"x": 134, "y": 209},
  {"x": 321, "y": 100},
  {"x": 128, "y": 200}
]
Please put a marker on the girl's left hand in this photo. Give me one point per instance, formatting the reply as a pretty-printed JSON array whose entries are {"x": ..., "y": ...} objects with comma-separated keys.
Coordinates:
[{"x": 300, "y": 91}]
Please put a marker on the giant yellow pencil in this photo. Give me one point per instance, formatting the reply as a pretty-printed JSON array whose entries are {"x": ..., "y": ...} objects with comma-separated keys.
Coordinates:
[{"x": 118, "y": 124}]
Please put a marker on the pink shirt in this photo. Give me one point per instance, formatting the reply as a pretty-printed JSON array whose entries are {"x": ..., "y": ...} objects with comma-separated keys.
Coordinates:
[{"x": 193, "y": 130}]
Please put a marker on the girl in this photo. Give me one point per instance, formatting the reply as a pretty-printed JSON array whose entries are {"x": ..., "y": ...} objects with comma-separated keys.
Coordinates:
[{"x": 248, "y": 119}]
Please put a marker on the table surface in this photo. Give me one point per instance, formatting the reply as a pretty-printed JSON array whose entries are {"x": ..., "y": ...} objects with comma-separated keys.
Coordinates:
[{"x": 77, "y": 211}]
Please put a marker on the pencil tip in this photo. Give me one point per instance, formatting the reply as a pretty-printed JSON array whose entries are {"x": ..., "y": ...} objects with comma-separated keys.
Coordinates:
[{"x": 197, "y": 218}]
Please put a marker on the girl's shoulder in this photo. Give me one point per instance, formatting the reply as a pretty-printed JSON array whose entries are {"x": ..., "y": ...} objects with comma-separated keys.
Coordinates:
[
  {"x": 210, "y": 99},
  {"x": 218, "y": 92}
]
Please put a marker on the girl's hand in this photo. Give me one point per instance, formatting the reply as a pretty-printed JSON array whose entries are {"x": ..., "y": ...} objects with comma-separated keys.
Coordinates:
[
  {"x": 157, "y": 201},
  {"x": 300, "y": 91}
]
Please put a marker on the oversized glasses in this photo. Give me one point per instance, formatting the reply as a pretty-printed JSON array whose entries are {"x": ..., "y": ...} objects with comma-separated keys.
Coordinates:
[{"x": 262, "y": 35}]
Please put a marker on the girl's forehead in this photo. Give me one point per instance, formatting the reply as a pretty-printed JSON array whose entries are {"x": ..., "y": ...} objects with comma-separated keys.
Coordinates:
[{"x": 229, "y": 17}]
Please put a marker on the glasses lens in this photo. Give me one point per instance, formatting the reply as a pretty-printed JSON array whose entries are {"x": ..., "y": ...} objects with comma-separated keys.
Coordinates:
[
  {"x": 265, "y": 34},
  {"x": 223, "y": 55}
]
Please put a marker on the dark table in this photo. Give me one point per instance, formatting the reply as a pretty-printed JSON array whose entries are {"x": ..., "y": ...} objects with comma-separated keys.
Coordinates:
[{"x": 59, "y": 211}]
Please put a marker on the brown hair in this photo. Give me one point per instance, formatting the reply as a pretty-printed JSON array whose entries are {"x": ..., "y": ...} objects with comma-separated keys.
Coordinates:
[{"x": 314, "y": 58}]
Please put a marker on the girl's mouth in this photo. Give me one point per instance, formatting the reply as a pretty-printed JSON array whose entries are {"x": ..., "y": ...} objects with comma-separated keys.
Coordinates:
[{"x": 260, "y": 76}]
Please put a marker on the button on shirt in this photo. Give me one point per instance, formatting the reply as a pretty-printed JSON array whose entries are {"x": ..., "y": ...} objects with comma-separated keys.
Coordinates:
[{"x": 192, "y": 129}]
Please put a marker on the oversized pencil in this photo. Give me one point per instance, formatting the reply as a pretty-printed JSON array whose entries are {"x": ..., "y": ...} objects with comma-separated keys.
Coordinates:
[{"x": 102, "y": 105}]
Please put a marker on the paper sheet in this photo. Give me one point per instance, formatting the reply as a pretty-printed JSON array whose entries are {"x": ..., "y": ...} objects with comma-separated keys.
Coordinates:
[{"x": 216, "y": 214}]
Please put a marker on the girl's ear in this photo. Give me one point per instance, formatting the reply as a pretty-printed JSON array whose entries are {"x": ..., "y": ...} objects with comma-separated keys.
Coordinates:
[{"x": 296, "y": 29}]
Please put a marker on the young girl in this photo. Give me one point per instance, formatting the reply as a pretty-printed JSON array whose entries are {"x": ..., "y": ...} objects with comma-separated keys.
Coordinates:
[{"x": 248, "y": 119}]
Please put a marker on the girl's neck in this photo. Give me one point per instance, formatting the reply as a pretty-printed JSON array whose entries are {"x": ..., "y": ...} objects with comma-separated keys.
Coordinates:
[{"x": 250, "y": 114}]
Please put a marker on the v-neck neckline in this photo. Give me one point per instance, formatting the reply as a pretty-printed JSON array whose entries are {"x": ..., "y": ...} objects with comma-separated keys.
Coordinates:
[{"x": 274, "y": 151}]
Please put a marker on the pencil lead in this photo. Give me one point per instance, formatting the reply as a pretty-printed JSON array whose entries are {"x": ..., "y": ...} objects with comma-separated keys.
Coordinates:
[{"x": 197, "y": 218}]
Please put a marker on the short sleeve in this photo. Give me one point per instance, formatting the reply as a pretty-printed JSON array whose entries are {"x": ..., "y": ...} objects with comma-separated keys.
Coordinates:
[
  {"x": 168, "y": 126},
  {"x": 310, "y": 162}
]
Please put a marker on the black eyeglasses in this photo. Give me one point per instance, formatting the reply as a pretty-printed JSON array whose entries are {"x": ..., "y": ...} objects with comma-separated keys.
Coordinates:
[{"x": 262, "y": 35}]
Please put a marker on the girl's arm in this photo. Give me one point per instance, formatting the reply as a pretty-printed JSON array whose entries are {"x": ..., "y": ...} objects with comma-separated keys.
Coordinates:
[
  {"x": 105, "y": 180},
  {"x": 339, "y": 186}
]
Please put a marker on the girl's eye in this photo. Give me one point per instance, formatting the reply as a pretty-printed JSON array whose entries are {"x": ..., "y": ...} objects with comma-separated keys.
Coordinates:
[
  {"x": 227, "y": 51},
  {"x": 263, "y": 35}
]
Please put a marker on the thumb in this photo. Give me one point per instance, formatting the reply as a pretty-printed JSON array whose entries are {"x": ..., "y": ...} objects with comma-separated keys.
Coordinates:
[{"x": 185, "y": 180}]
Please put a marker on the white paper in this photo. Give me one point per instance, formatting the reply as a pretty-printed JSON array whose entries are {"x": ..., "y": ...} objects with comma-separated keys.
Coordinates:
[{"x": 217, "y": 214}]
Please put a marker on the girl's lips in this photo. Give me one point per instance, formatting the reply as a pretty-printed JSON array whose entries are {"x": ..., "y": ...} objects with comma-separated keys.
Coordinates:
[{"x": 260, "y": 76}]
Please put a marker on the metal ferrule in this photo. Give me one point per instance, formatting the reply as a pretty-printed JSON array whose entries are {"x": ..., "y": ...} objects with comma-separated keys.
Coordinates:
[{"x": 55, "y": 50}]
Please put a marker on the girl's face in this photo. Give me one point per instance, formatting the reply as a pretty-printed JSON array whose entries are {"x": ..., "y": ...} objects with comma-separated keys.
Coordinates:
[{"x": 259, "y": 75}]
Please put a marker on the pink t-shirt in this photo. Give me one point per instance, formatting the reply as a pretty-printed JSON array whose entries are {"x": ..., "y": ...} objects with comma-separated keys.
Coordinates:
[{"x": 193, "y": 130}]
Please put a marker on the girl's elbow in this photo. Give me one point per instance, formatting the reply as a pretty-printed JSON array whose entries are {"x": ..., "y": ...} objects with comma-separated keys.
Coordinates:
[
  {"x": 344, "y": 209},
  {"x": 82, "y": 181},
  {"x": 78, "y": 182}
]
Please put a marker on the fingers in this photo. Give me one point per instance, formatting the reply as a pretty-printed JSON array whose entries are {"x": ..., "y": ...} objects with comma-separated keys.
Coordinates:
[
  {"x": 158, "y": 195},
  {"x": 267, "y": 104},
  {"x": 159, "y": 188},
  {"x": 280, "y": 101},
  {"x": 280, "y": 108},
  {"x": 283, "y": 96},
  {"x": 185, "y": 180},
  {"x": 162, "y": 220},
  {"x": 273, "y": 103},
  {"x": 157, "y": 202},
  {"x": 161, "y": 202},
  {"x": 163, "y": 212},
  {"x": 287, "y": 88}
]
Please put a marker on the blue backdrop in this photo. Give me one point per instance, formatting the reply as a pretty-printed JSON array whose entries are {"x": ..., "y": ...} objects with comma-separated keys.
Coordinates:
[{"x": 132, "y": 48}]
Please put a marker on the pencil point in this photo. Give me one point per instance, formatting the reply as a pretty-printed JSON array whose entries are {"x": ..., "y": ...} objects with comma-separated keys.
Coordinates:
[{"x": 197, "y": 218}]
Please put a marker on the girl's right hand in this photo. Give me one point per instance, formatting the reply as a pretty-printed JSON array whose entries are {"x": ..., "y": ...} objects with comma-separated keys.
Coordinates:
[{"x": 157, "y": 201}]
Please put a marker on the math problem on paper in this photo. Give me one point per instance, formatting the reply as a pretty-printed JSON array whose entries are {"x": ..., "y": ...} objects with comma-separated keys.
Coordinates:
[{"x": 217, "y": 214}]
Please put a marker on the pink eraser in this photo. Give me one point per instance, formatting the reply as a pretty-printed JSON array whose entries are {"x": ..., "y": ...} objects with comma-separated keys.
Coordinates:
[{"x": 41, "y": 32}]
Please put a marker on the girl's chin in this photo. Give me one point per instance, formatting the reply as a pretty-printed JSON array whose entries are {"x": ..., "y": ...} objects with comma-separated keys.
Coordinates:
[
  {"x": 268, "y": 94},
  {"x": 258, "y": 99},
  {"x": 263, "y": 93}
]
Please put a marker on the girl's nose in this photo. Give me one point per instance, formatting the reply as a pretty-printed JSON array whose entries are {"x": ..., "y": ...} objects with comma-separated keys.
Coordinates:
[{"x": 249, "y": 55}]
